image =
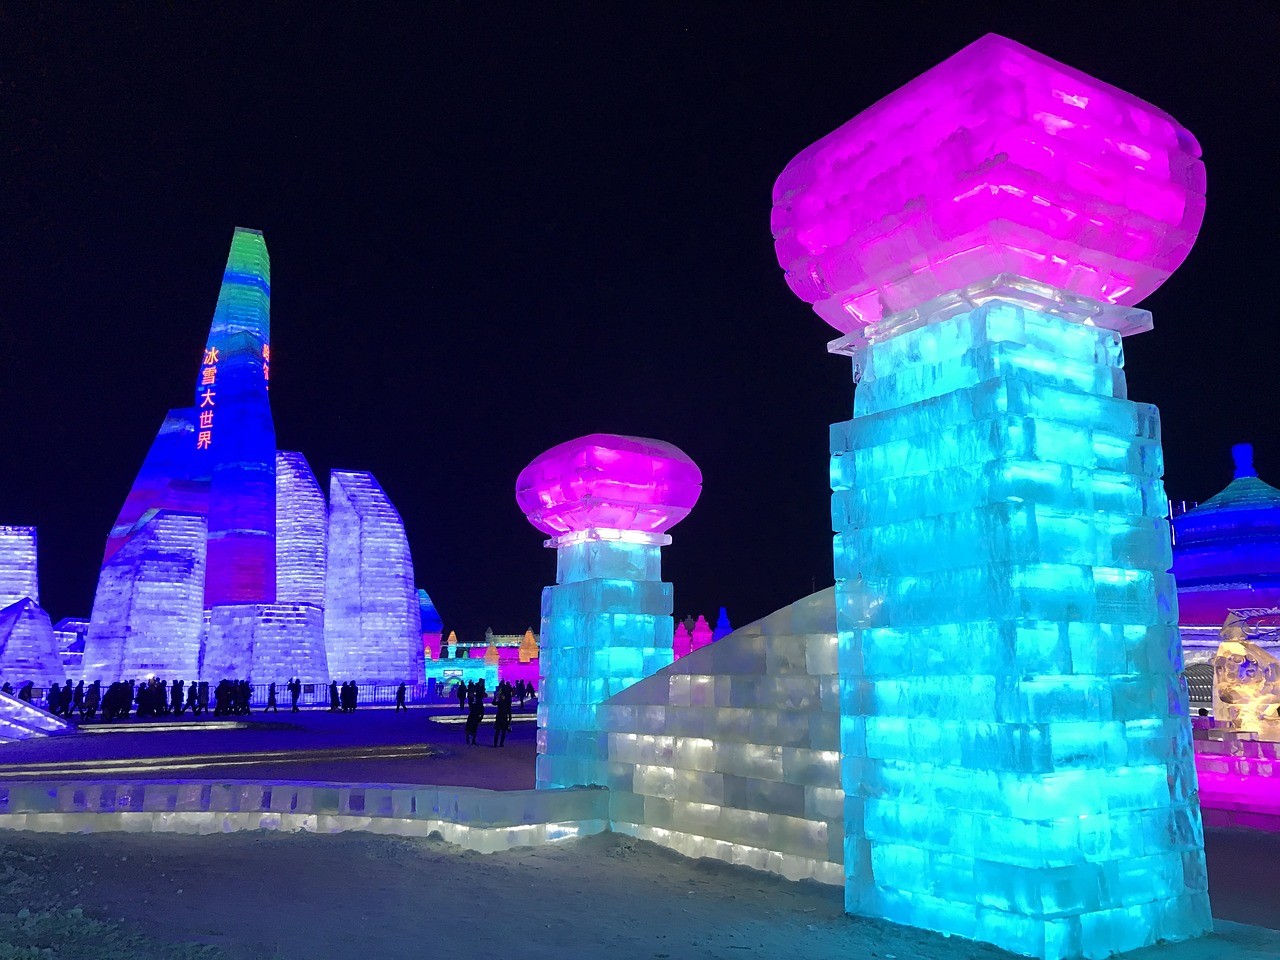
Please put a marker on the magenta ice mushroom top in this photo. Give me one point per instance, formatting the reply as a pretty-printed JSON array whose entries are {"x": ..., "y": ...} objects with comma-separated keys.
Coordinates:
[
  {"x": 607, "y": 482},
  {"x": 998, "y": 160}
]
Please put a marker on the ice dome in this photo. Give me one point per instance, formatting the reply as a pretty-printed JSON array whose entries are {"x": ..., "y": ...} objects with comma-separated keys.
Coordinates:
[
  {"x": 608, "y": 481},
  {"x": 1226, "y": 552}
]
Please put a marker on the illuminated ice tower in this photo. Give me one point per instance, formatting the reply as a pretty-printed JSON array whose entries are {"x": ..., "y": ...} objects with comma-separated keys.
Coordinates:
[
  {"x": 607, "y": 502},
  {"x": 1016, "y": 750},
  {"x": 235, "y": 437}
]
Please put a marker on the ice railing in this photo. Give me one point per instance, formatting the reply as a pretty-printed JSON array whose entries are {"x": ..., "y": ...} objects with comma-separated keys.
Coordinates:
[{"x": 482, "y": 820}]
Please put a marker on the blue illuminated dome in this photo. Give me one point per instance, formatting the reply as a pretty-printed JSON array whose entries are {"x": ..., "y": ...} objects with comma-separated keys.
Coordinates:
[{"x": 1226, "y": 552}]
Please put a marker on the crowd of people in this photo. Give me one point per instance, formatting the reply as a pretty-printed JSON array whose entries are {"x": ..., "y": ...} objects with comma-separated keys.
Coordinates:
[
  {"x": 158, "y": 698},
  {"x": 472, "y": 695}
]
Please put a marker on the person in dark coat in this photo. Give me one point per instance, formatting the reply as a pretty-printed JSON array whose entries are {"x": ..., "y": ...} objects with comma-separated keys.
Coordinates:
[
  {"x": 474, "y": 715},
  {"x": 24, "y": 692},
  {"x": 176, "y": 698},
  {"x": 401, "y": 691},
  {"x": 271, "y": 698},
  {"x": 77, "y": 700},
  {"x": 502, "y": 720},
  {"x": 334, "y": 703},
  {"x": 462, "y": 695},
  {"x": 295, "y": 691}
]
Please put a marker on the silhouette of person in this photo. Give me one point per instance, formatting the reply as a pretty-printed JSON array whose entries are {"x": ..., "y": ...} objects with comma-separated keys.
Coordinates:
[
  {"x": 461, "y": 692},
  {"x": 271, "y": 698},
  {"x": 400, "y": 697},
  {"x": 24, "y": 692},
  {"x": 502, "y": 720},
  {"x": 295, "y": 691},
  {"x": 474, "y": 715},
  {"x": 333, "y": 695}
]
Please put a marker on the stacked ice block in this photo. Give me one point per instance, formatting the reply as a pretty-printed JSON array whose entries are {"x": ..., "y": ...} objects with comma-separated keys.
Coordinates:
[
  {"x": 732, "y": 752},
  {"x": 1016, "y": 749},
  {"x": 607, "y": 502}
]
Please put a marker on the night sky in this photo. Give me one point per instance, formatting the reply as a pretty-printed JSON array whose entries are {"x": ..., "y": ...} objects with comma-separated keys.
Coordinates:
[{"x": 494, "y": 228}]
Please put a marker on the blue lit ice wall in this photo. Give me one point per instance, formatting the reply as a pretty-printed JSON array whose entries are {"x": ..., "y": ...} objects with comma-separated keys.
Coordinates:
[
  {"x": 606, "y": 624},
  {"x": 1016, "y": 751}
]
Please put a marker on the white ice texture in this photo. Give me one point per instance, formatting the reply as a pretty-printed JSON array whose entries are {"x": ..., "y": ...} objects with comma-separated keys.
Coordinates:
[
  {"x": 371, "y": 605},
  {"x": 1016, "y": 748},
  {"x": 732, "y": 752}
]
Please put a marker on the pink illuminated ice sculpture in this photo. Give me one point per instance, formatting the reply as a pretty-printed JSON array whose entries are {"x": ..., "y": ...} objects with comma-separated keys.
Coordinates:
[
  {"x": 997, "y": 161},
  {"x": 606, "y": 501}
]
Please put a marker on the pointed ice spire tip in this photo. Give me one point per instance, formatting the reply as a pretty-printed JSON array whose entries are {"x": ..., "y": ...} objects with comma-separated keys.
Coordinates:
[{"x": 1242, "y": 454}]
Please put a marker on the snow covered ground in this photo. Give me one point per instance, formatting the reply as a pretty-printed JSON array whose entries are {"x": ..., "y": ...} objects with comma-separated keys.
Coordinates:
[{"x": 289, "y": 897}]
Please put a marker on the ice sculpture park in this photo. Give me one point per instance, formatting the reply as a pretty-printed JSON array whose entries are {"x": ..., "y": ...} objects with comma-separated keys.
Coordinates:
[
  {"x": 982, "y": 729},
  {"x": 226, "y": 559}
]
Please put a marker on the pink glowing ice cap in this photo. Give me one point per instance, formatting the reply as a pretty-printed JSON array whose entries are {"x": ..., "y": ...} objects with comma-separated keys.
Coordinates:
[
  {"x": 604, "y": 486},
  {"x": 998, "y": 161}
]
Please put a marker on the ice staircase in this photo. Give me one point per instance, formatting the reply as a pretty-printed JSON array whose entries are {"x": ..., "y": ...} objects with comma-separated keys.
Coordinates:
[{"x": 20, "y": 720}]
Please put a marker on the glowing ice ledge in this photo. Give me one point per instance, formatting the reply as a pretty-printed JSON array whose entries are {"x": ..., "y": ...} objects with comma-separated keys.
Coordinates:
[{"x": 486, "y": 821}]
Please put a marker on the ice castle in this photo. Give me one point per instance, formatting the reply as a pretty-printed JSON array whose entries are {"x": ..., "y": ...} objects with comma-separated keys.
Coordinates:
[
  {"x": 1226, "y": 557},
  {"x": 227, "y": 559}
]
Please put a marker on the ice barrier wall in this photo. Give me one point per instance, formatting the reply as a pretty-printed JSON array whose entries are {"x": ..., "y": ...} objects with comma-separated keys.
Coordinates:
[{"x": 732, "y": 751}]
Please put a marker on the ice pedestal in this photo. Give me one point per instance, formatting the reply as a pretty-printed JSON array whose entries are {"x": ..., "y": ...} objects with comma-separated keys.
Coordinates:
[
  {"x": 605, "y": 625},
  {"x": 1016, "y": 749},
  {"x": 607, "y": 501}
]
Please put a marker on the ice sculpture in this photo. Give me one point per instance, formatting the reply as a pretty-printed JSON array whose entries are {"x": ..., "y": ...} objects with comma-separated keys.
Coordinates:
[
  {"x": 235, "y": 439},
  {"x": 371, "y": 607},
  {"x": 149, "y": 607},
  {"x": 431, "y": 625},
  {"x": 19, "y": 578},
  {"x": 1246, "y": 684},
  {"x": 700, "y": 635},
  {"x": 302, "y": 530},
  {"x": 28, "y": 650},
  {"x": 166, "y": 481},
  {"x": 20, "y": 720},
  {"x": 607, "y": 502},
  {"x": 732, "y": 752},
  {"x": 998, "y": 160},
  {"x": 1016, "y": 751},
  {"x": 1226, "y": 554},
  {"x": 681, "y": 641},
  {"x": 723, "y": 627}
]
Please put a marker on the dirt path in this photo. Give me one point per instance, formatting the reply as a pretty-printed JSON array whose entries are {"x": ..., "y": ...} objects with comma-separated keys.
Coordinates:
[{"x": 263, "y": 896}]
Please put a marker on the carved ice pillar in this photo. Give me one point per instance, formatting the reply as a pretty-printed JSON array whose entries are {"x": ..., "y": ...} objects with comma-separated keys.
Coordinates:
[
  {"x": 607, "y": 502},
  {"x": 1015, "y": 743}
]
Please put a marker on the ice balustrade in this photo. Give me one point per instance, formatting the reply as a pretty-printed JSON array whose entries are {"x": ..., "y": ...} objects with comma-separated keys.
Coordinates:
[
  {"x": 486, "y": 821},
  {"x": 607, "y": 502},
  {"x": 1017, "y": 756}
]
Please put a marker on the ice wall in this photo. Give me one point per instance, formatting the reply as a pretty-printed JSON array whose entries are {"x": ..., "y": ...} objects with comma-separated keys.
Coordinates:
[
  {"x": 265, "y": 642},
  {"x": 18, "y": 572},
  {"x": 28, "y": 649},
  {"x": 732, "y": 752},
  {"x": 148, "y": 610},
  {"x": 371, "y": 620},
  {"x": 302, "y": 527}
]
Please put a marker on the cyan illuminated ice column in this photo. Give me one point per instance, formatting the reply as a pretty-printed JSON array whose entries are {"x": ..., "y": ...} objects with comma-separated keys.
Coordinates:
[
  {"x": 1015, "y": 743},
  {"x": 235, "y": 437},
  {"x": 607, "y": 502}
]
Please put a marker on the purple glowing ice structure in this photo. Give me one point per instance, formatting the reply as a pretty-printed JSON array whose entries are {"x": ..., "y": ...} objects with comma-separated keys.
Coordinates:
[
  {"x": 997, "y": 161},
  {"x": 605, "y": 486},
  {"x": 607, "y": 502}
]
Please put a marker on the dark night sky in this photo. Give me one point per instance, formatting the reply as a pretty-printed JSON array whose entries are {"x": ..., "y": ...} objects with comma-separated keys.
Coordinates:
[{"x": 493, "y": 228}]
